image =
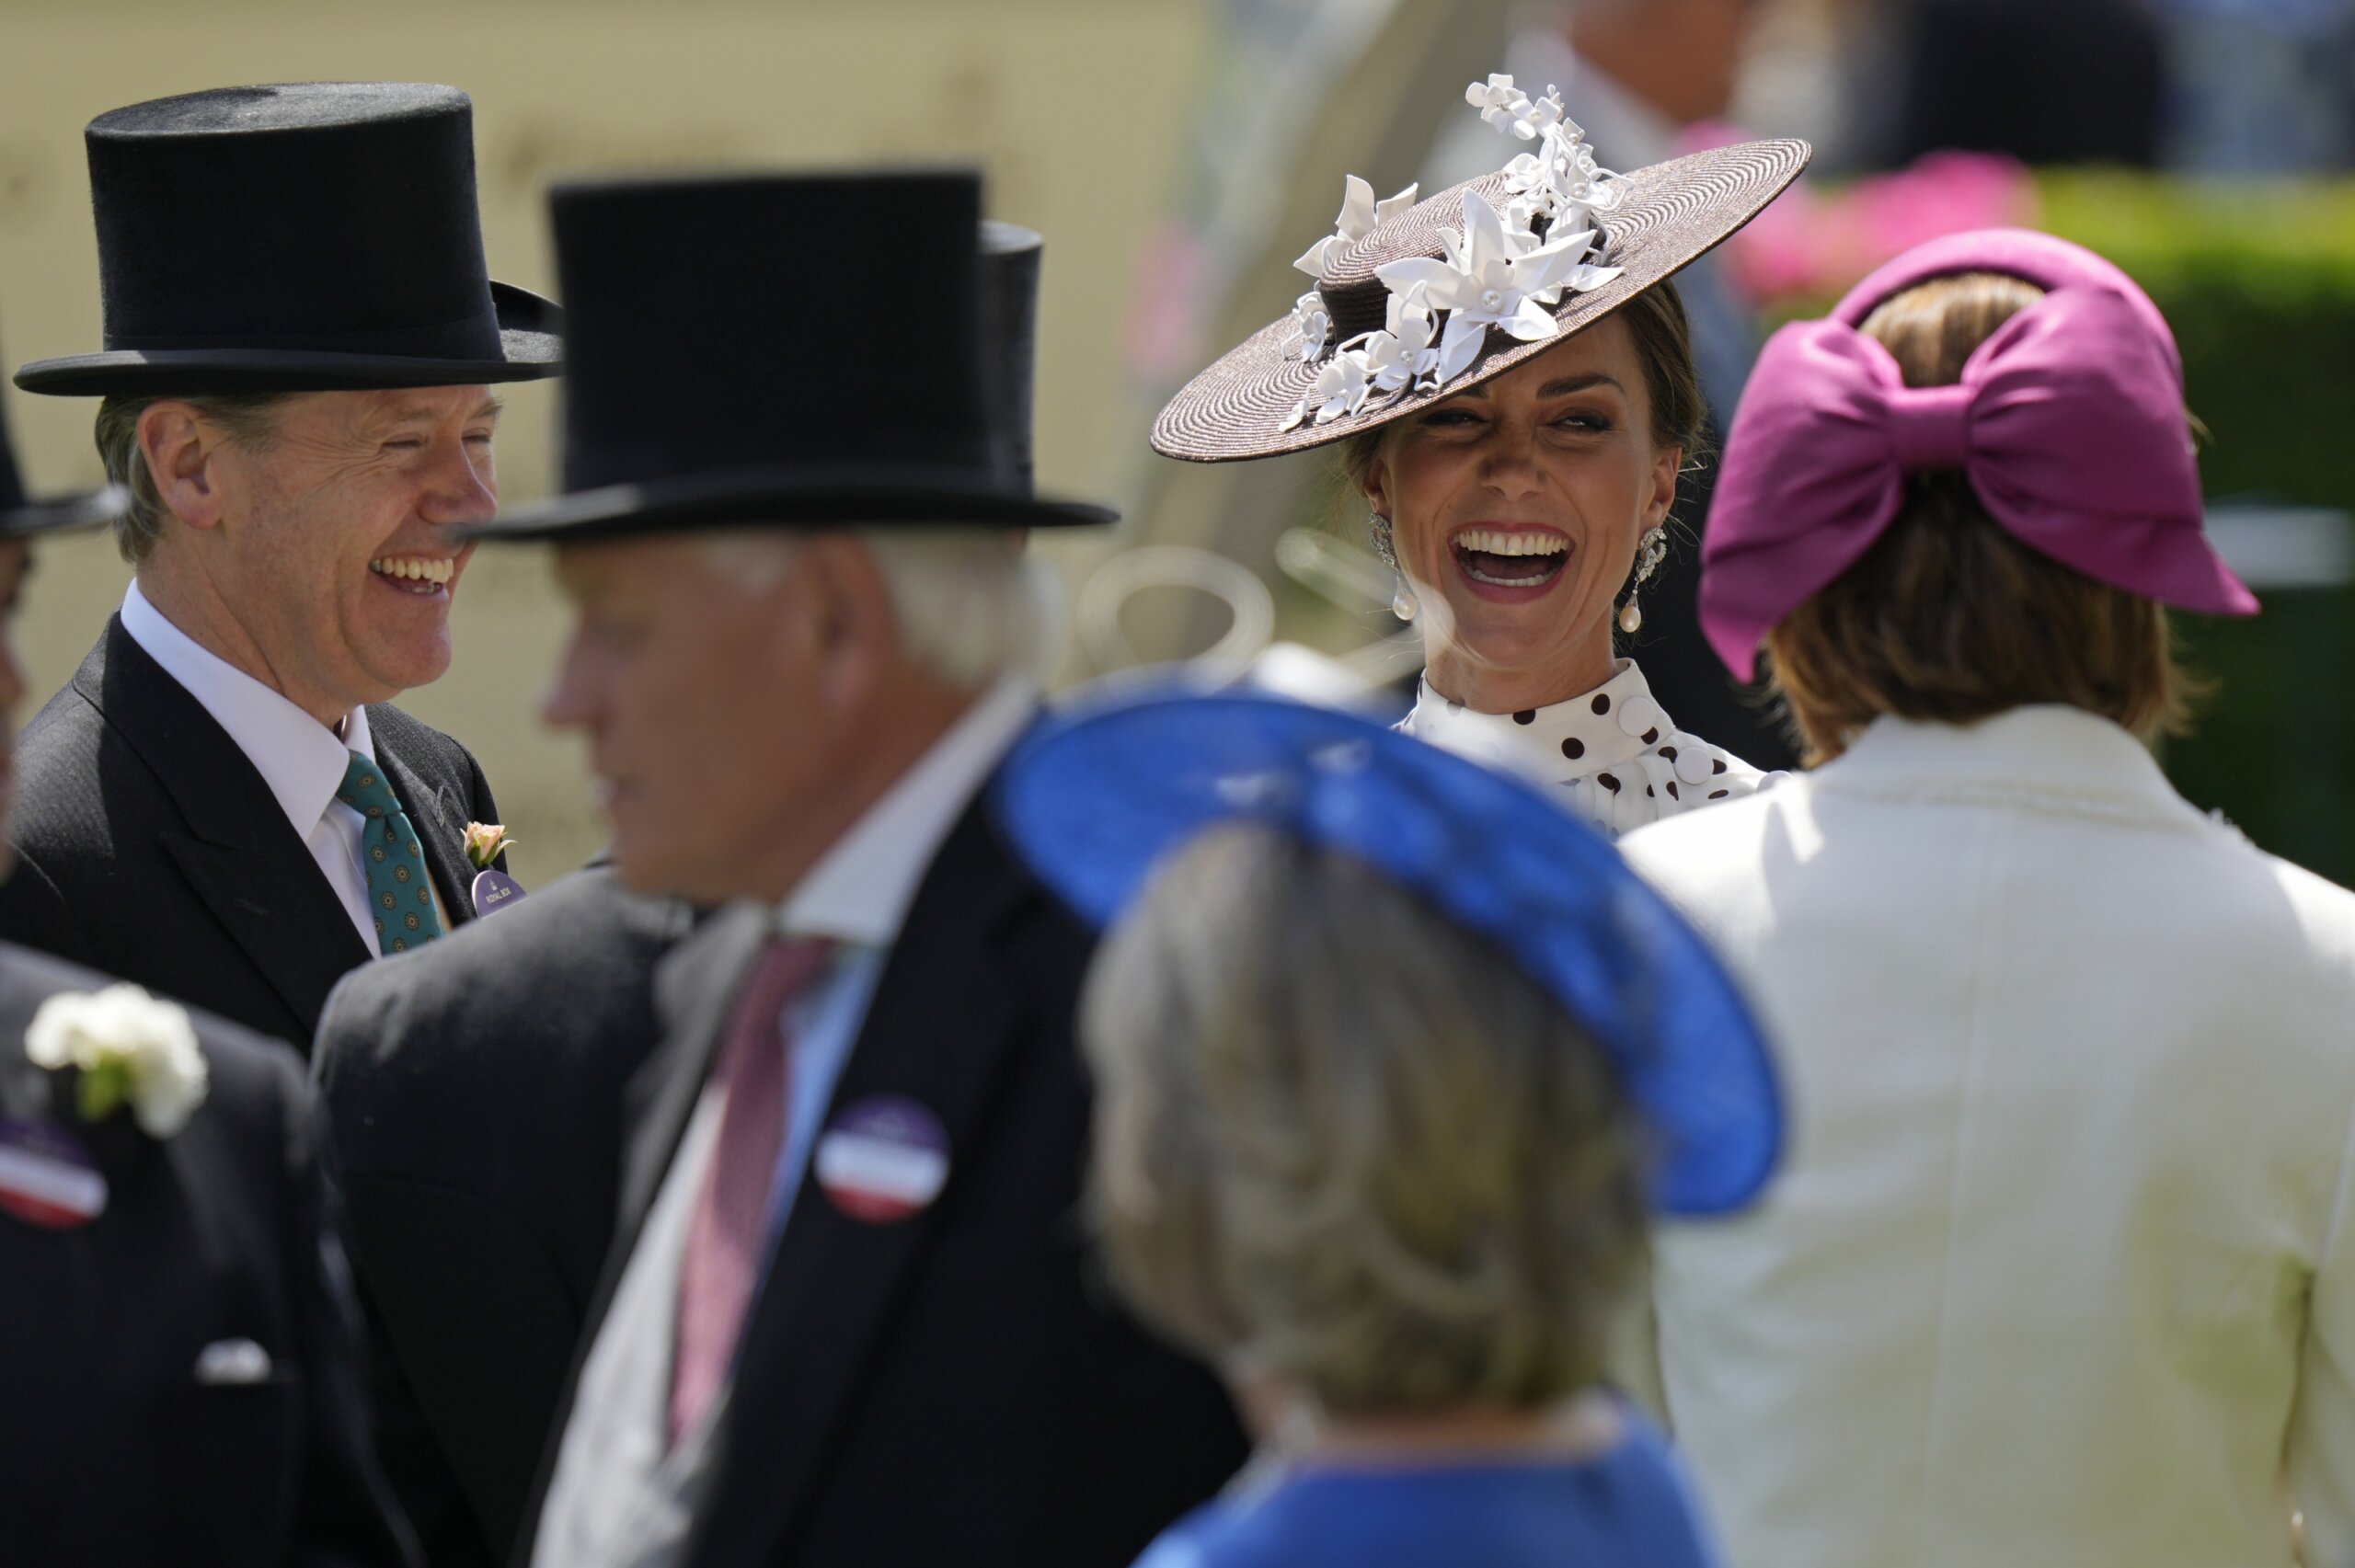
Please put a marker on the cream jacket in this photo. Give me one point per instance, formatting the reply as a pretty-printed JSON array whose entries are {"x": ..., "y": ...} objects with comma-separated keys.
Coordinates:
[{"x": 2057, "y": 1270}]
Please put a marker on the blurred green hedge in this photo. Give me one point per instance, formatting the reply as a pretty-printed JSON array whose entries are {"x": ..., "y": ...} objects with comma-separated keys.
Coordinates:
[{"x": 2259, "y": 282}]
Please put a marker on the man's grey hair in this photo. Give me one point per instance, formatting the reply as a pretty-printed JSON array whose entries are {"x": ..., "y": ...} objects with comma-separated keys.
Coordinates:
[
  {"x": 970, "y": 604},
  {"x": 248, "y": 419}
]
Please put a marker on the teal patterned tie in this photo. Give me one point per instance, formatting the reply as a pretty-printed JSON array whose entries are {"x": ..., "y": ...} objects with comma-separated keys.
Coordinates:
[{"x": 399, "y": 892}]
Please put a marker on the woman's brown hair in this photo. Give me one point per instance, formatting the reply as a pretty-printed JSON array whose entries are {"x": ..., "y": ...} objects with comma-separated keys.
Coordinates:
[{"x": 1947, "y": 617}]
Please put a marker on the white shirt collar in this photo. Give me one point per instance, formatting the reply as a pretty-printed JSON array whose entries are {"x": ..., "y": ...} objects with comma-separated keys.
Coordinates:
[
  {"x": 860, "y": 889},
  {"x": 2044, "y": 748},
  {"x": 301, "y": 759}
]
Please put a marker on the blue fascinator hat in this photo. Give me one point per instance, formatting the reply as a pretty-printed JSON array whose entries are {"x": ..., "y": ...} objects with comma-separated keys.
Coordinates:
[{"x": 1094, "y": 799}]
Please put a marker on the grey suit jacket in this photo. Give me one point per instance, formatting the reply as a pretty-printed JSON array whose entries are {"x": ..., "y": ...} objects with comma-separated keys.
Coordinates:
[{"x": 475, "y": 1090}]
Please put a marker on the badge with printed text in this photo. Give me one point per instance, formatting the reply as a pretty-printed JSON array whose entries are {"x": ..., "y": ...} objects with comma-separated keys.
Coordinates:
[
  {"x": 47, "y": 1178},
  {"x": 494, "y": 891},
  {"x": 884, "y": 1159}
]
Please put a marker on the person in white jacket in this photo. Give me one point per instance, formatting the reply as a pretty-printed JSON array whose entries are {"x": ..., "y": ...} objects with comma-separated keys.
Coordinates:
[{"x": 2058, "y": 1270}]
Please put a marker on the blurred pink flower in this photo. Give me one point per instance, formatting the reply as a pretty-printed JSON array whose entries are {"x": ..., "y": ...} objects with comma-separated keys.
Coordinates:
[
  {"x": 1162, "y": 328},
  {"x": 1813, "y": 242}
]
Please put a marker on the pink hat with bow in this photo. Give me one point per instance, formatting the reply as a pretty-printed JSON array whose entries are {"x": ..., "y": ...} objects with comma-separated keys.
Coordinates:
[{"x": 2068, "y": 421}]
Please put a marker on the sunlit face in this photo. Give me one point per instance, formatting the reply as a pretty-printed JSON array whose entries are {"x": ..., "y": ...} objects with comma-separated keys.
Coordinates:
[
  {"x": 336, "y": 552},
  {"x": 1515, "y": 508},
  {"x": 16, "y": 565},
  {"x": 706, "y": 706}
]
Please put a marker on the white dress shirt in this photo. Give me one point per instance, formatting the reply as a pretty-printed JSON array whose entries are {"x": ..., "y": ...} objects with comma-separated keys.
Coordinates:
[
  {"x": 301, "y": 759},
  {"x": 2057, "y": 1271},
  {"x": 618, "y": 1496}
]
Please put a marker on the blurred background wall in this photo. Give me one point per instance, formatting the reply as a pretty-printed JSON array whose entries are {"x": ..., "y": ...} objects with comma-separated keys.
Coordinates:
[
  {"x": 1070, "y": 106},
  {"x": 1179, "y": 154}
]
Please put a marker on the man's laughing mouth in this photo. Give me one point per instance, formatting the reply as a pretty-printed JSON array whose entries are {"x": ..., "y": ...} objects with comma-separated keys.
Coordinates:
[{"x": 416, "y": 574}]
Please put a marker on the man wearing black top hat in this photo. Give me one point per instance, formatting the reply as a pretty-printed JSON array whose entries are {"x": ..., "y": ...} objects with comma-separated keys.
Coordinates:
[
  {"x": 848, "y": 1319},
  {"x": 178, "y": 1378},
  {"x": 475, "y": 1092},
  {"x": 300, "y": 344}
]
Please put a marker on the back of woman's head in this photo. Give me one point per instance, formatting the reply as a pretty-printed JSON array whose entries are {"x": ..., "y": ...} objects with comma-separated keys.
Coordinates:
[
  {"x": 1345, "y": 1144},
  {"x": 1947, "y": 617}
]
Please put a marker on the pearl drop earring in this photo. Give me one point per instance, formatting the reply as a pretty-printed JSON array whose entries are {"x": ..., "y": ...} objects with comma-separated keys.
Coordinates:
[
  {"x": 1402, "y": 602},
  {"x": 1651, "y": 549}
]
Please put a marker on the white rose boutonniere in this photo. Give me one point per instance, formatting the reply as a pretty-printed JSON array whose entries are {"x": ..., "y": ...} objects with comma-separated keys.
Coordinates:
[{"x": 130, "y": 1047}]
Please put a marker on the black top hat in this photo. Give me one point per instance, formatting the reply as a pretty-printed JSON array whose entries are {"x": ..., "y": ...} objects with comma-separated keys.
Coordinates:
[
  {"x": 21, "y": 515},
  {"x": 309, "y": 237},
  {"x": 804, "y": 351}
]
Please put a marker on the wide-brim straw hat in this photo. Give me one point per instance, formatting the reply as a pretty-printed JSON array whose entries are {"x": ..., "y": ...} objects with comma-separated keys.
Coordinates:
[{"x": 1668, "y": 215}]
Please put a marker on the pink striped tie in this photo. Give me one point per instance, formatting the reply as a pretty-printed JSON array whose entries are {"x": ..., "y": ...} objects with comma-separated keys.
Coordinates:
[{"x": 725, "y": 1234}]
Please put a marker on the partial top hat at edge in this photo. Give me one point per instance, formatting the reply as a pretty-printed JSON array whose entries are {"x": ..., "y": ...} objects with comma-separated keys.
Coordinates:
[
  {"x": 311, "y": 237},
  {"x": 21, "y": 515},
  {"x": 805, "y": 351}
]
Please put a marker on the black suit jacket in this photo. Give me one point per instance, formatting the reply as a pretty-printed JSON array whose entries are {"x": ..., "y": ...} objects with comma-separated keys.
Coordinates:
[
  {"x": 958, "y": 1387},
  {"x": 150, "y": 848},
  {"x": 475, "y": 1091},
  {"x": 111, "y": 1451}
]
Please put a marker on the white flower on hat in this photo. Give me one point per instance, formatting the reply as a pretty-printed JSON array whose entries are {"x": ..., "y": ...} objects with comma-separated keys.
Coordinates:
[
  {"x": 1311, "y": 323},
  {"x": 1401, "y": 356},
  {"x": 130, "y": 1047},
  {"x": 1560, "y": 182},
  {"x": 1504, "y": 106},
  {"x": 1497, "y": 98},
  {"x": 1493, "y": 278},
  {"x": 1359, "y": 215},
  {"x": 1342, "y": 386},
  {"x": 1505, "y": 270}
]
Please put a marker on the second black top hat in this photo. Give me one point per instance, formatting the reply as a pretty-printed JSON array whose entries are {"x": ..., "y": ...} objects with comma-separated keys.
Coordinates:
[
  {"x": 794, "y": 350},
  {"x": 315, "y": 236}
]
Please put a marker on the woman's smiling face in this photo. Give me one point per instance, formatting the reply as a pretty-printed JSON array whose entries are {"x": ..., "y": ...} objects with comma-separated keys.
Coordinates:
[{"x": 1515, "y": 510}]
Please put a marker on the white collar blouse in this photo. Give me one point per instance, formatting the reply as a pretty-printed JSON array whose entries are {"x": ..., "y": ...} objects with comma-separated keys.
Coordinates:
[{"x": 1613, "y": 751}]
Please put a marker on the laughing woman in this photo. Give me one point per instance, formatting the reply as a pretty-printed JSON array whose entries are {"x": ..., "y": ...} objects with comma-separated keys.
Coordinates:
[{"x": 1509, "y": 367}]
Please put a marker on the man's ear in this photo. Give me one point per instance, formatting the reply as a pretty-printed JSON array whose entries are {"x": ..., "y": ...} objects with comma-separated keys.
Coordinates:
[
  {"x": 846, "y": 616},
  {"x": 181, "y": 454}
]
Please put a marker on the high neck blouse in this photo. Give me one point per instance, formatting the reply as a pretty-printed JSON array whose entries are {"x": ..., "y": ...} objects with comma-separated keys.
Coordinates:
[{"x": 1613, "y": 751}]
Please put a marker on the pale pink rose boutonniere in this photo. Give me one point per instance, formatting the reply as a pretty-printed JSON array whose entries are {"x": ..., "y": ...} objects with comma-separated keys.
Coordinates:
[
  {"x": 129, "y": 1049},
  {"x": 485, "y": 841},
  {"x": 494, "y": 889}
]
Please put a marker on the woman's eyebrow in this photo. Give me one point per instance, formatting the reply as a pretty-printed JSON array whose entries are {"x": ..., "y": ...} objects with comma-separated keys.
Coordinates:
[{"x": 1571, "y": 383}]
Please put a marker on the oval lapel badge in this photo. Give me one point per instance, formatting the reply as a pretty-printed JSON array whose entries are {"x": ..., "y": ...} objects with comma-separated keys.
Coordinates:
[
  {"x": 495, "y": 890},
  {"x": 47, "y": 1178},
  {"x": 883, "y": 1159}
]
